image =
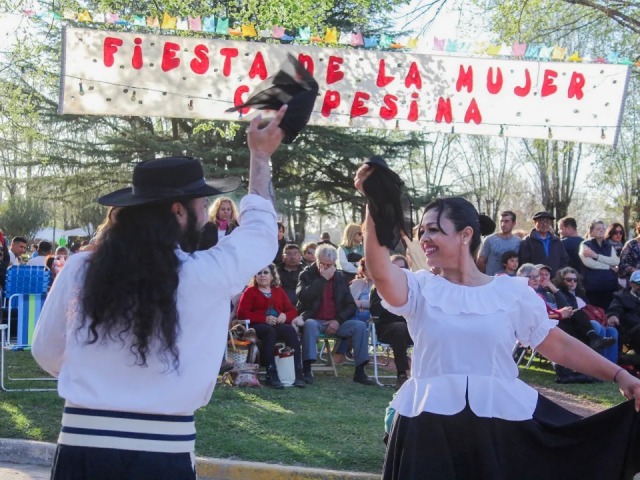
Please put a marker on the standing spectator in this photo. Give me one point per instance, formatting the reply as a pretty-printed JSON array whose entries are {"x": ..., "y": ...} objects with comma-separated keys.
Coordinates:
[
  {"x": 223, "y": 219},
  {"x": 271, "y": 314},
  {"x": 44, "y": 250},
  {"x": 34, "y": 250},
  {"x": 351, "y": 250},
  {"x": 326, "y": 238},
  {"x": 17, "y": 249},
  {"x": 490, "y": 257},
  {"x": 542, "y": 246},
  {"x": 630, "y": 256},
  {"x": 571, "y": 241},
  {"x": 136, "y": 329},
  {"x": 289, "y": 271},
  {"x": 309, "y": 253},
  {"x": 616, "y": 235},
  {"x": 282, "y": 242},
  {"x": 326, "y": 305},
  {"x": 600, "y": 262}
]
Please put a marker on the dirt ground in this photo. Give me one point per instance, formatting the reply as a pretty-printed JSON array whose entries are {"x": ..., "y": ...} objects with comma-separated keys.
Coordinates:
[{"x": 576, "y": 405}]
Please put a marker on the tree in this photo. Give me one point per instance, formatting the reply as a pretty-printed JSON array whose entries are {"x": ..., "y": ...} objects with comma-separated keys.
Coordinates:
[{"x": 22, "y": 216}]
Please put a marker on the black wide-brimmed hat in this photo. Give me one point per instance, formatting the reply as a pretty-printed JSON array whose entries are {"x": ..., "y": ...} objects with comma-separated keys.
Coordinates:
[{"x": 165, "y": 179}]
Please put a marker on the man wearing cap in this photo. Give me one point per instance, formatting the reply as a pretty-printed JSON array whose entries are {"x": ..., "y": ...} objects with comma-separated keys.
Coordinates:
[
  {"x": 135, "y": 330},
  {"x": 624, "y": 313},
  {"x": 497, "y": 244},
  {"x": 542, "y": 246}
]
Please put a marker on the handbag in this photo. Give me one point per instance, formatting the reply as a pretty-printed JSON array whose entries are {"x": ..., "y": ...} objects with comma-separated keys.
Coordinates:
[
  {"x": 595, "y": 313},
  {"x": 285, "y": 364},
  {"x": 242, "y": 375}
]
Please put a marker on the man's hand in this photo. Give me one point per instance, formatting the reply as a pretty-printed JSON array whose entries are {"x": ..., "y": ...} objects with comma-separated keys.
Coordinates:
[
  {"x": 264, "y": 141},
  {"x": 332, "y": 327},
  {"x": 327, "y": 272}
]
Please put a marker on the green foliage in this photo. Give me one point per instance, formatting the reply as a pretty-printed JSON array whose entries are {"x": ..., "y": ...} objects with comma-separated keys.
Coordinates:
[{"x": 22, "y": 216}]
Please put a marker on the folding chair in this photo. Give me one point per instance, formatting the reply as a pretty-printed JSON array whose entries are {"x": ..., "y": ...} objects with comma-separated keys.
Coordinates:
[
  {"x": 520, "y": 351},
  {"x": 326, "y": 364},
  {"x": 378, "y": 349}
]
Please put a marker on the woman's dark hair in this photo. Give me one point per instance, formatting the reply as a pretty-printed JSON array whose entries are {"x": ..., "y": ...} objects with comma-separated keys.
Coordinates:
[
  {"x": 611, "y": 228},
  {"x": 131, "y": 282},
  {"x": 463, "y": 214},
  {"x": 558, "y": 281}
]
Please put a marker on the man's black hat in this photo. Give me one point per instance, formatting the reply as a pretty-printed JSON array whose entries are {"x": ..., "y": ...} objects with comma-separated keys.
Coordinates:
[
  {"x": 165, "y": 179},
  {"x": 292, "y": 85},
  {"x": 543, "y": 215}
]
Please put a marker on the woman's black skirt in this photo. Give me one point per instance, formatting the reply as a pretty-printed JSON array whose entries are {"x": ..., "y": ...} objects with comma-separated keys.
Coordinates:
[{"x": 555, "y": 444}]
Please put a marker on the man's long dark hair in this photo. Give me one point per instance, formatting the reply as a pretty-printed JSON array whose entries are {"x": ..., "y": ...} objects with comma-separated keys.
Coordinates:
[{"x": 131, "y": 282}]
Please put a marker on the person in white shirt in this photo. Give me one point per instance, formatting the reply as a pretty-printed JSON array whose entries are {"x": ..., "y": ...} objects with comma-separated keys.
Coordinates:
[
  {"x": 44, "y": 250},
  {"x": 17, "y": 249},
  {"x": 135, "y": 330},
  {"x": 463, "y": 414}
]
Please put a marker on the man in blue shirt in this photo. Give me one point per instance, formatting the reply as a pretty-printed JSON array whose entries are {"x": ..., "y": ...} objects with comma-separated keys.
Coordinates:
[{"x": 542, "y": 246}]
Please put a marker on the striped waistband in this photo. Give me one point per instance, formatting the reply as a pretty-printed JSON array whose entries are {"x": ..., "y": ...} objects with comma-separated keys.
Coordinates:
[{"x": 84, "y": 427}]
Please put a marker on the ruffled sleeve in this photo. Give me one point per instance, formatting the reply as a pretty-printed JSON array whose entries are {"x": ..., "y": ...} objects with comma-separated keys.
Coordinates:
[
  {"x": 532, "y": 324},
  {"x": 415, "y": 283}
]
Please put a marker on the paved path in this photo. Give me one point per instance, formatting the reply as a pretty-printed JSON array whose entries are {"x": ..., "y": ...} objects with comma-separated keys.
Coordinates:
[{"x": 12, "y": 471}]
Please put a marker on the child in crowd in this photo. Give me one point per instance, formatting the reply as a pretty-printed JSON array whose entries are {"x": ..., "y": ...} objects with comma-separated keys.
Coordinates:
[{"x": 509, "y": 261}]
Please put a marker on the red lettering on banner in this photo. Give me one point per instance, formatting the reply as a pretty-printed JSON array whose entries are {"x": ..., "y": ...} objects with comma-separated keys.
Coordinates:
[
  {"x": 383, "y": 80},
  {"x": 307, "y": 62},
  {"x": 444, "y": 110},
  {"x": 576, "y": 85},
  {"x": 200, "y": 64},
  {"x": 494, "y": 86},
  {"x": 413, "y": 77},
  {"x": 413, "y": 108},
  {"x": 258, "y": 67},
  {"x": 334, "y": 74},
  {"x": 228, "y": 54},
  {"x": 465, "y": 79},
  {"x": 169, "y": 60},
  {"x": 548, "y": 85},
  {"x": 136, "y": 60},
  {"x": 331, "y": 101},
  {"x": 473, "y": 113},
  {"x": 109, "y": 49},
  {"x": 526, "y": 88},
  {"x": 358, "y": 107},
  {"x": 238, "y": 100},
  {"x": 390, "y": 108}
]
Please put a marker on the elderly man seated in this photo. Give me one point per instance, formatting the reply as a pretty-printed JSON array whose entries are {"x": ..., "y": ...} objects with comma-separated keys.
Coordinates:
[
  {"x": 326, "y": 305},
  {"x": 624, "y": 312}
]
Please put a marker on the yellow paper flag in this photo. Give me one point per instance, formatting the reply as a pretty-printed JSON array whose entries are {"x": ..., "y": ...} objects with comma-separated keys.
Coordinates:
[
  {"x": 84, "y": 16},
  {"x": 558, "y": 53},
  {"x": 168, "y": 21},
  {"x": 249, "y": 31},
  {"x": 331, "y": 36}
]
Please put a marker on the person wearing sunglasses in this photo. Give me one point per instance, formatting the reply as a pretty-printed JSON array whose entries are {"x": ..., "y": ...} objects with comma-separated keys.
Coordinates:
[
  {"x": 266, "y": 305},
  {"x": 616, "y": 235}
]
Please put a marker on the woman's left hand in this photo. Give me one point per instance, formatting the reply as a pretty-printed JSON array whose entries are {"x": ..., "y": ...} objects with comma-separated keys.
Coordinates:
[
  {"x": 629, "y": 387},
  {"x": 282, "y": 318}
]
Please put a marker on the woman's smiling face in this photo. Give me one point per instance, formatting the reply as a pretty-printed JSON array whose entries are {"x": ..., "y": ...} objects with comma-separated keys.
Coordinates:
[{"x": 441, "y": 244}]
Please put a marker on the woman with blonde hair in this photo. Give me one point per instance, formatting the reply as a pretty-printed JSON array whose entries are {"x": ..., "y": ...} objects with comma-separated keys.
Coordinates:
[
  {"x": 350, "y": 250},
  {"x": 223, "y": 219}
]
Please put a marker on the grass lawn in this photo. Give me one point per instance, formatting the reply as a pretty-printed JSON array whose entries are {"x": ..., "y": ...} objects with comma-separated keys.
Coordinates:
[{"x": 332, "y": 424}]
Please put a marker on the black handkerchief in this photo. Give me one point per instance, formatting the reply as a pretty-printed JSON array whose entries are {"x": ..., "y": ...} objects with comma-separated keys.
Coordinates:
[
  {"x": 292, "y": 85},
  {"x": 389, "y": 206}
]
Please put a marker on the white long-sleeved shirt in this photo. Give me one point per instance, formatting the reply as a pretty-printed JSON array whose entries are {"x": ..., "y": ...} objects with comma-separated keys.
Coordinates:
[{"x": 104, "y": 375}]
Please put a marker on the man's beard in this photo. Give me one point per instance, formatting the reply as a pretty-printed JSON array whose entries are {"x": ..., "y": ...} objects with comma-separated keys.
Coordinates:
[{"x": 191, "y": 234}]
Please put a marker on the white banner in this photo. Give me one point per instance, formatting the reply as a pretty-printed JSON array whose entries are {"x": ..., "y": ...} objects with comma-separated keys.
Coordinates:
[{"x": 114, "y": 73}]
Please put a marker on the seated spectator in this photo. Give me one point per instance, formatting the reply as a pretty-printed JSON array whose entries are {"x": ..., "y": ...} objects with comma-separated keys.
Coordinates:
[
  {"x": 289, "y": 270},
  {"x": 624, "y": 313},
  {"x": 531, "y": 272},
  {"x": 55, "y": 262},
  {"x": 44, "y": 250},
  {"x": 579, "y": 325},
  {"x": 309, "y": 253},
  {"x": 509, "y": 262},
  {"x": 17, "y": 249},
  {"x": 600, "y": 267},
  {"x": 326, "y": 304},
  {"x": 271, "y": 314},
  {"x": 223, "y": 219},
  {"x": 392, "y": 329},
  {"x": 360, "y": 288},
  {"x": 547, "y": 290},
  {"x": 351, "y": 250},
  {"x": 630, "y": 256}
]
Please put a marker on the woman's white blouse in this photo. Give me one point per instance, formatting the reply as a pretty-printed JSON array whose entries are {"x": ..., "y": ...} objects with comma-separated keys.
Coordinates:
[{"x": 463, "y": 342}]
